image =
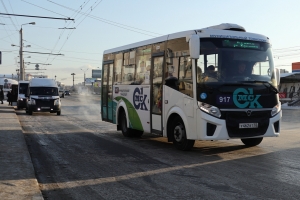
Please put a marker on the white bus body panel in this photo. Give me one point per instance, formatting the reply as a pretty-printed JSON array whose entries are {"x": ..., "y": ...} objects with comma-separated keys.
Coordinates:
[
  {"x": 181, "y": 104},
  {"x": 156, "y": 122}
]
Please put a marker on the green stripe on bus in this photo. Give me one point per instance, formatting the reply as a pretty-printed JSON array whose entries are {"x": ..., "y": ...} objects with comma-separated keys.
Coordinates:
[{"x": 134, "y": 119}]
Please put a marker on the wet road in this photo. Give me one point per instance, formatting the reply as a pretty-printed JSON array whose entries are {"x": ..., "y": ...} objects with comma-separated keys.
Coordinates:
[{"x": 77, "y": 156}]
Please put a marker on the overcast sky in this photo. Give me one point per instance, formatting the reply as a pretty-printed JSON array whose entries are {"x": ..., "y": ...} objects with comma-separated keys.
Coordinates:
[{"x": 106, "y": 24}]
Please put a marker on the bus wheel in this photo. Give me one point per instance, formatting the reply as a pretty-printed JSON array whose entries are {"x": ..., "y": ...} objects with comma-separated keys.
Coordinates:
[
  {"x": 58, "y": 113},
  {"x": 138, "y": 133},
  {"x": 180, "y": 141},
  {"x": 250, "y": 142},
  {"x": 127, "y": 132},
  {"x": 30, "y": 112}
]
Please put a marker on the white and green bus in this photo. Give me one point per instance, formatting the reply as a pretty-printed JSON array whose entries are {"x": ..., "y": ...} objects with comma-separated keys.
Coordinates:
[{"x": 190, "y": 86}]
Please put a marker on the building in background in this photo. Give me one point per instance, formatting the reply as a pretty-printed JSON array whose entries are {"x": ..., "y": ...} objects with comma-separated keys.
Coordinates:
[{"x": 296, "y": 67}]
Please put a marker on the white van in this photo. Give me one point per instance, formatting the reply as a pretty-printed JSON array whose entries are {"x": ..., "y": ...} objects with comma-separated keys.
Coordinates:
[
  {"x": 43, "y": 96},
  {"x": 22, "y": 91}
]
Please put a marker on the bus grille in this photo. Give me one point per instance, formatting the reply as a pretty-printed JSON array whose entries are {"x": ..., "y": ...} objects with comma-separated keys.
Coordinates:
[
  {"x": 44, "y": 103},
  {"x": 233, "y": 119}
]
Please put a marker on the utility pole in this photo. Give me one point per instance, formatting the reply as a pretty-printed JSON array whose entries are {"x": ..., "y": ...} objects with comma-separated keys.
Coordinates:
[
  {"x": 22, "y": 74},
  {"x": 73, "y": 74},
  {"x": 21, "y": 55},
  {"x": 84, "y": 75}
]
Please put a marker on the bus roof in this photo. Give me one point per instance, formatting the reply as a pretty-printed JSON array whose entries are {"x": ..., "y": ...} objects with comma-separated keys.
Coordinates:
[
  {"x": 23, "y": 82},
  {"x": 225, "y": 30}
]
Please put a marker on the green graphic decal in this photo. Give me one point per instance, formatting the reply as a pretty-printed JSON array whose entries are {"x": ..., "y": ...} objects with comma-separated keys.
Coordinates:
[
  {"x": 242, "y": 98},
  {"x": 134, "y": 119},
  {"x": 110, "y": 109},
  {"x": 114, "y": 112}
]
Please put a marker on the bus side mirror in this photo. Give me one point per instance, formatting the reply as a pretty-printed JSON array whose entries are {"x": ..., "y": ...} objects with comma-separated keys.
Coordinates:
[
  {"x": 277, "y": 75},
  {"x": 194, "y": 45}
]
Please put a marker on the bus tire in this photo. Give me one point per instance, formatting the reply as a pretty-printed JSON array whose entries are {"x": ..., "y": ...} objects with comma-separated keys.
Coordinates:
[
  {"x": 180, "y": 140},
  {"x": 138, "y": 133},
  {"x": 58, "y": 113},
  {"x": 29, "y": 112},
  {"x": 250, "y": 142},
  {"x": 127, "y": 132}
]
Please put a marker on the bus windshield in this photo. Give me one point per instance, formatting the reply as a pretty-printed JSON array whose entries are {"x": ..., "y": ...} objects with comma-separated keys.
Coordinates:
[
  {"x": 52, "y": 91},
  {"x": 231, "y": 61}
]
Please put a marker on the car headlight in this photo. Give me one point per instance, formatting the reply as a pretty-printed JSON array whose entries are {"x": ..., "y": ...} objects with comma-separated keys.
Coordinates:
[
  {"x": 32, "y": 102},
  {"x": 20, "y": 99},
  {"x": 57, "y": 102},
  {"x": 276, "y": 109},
  {"x": 212, "y": 110}
]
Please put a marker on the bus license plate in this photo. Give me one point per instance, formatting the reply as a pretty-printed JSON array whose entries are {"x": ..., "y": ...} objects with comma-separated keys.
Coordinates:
[
  {"x": 45, "y": 107},
  {"x": 248, "y": 125}
]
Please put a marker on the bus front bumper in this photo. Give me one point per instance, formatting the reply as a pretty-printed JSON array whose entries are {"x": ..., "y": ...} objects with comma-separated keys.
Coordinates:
[
  {"x": 51, "y": 109},
  {"x": 212, "y": 128}
]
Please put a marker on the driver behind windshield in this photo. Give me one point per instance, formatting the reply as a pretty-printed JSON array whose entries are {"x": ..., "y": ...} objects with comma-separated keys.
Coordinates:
[
  {"x": 210, "y": 73},
  {"x": 241, "y": 69}
]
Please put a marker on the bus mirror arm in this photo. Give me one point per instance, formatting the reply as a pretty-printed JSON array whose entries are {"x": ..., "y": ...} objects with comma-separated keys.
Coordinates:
[
  {"x": 277, "y": 75},
  {"x": 194, "y": 45}
]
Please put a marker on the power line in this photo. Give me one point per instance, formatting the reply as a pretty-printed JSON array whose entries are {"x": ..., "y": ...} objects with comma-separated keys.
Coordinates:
[
  {"x": 76, "y": 27},
  {"x": 43, "y": 8},
  {"x": 110, "y": 22},
  {"x": 43, "y": 53},
  {"x": 36, "y": 16},
  {"x": 63, "y": 31},
  {"x": 13, "y": 12},
  {"x": 7, "y": 12}
]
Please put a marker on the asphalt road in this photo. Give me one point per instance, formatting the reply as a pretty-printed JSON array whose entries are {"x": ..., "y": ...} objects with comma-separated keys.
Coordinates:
[{"x": 77, "y": 156}]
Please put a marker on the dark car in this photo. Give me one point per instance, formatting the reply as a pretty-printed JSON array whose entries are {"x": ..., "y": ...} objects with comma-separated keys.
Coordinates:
[{"x": 67, "y": 93}]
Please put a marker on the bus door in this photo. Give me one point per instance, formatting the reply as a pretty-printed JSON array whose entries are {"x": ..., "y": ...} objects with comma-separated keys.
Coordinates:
[
  {"x": 110, "y": 93},
  {"x": 157, "y": 96},
  {"x": 106, "y": 97}
]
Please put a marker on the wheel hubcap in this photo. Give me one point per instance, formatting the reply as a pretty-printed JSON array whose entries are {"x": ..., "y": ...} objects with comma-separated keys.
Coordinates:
[{"x": 178, "y": 133}]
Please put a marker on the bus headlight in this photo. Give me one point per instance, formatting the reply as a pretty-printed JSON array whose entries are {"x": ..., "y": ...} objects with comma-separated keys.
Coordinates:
[
  {"x": 212, "y": 110},
  {"x": 57, "y": 102},
  {"x": 276, "y": 109}
]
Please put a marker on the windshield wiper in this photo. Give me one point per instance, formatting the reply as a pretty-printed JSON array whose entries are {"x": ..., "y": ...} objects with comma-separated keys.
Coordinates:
[{"x": 265, "y": 83}]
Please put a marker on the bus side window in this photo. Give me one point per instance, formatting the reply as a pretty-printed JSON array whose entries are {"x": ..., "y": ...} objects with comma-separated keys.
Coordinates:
[
  {"x": 127, "y": 74},
  {"x": 171, "y": 74},
  {"x": 118, "y": 69},
  {"x": 185, "y": 76}
]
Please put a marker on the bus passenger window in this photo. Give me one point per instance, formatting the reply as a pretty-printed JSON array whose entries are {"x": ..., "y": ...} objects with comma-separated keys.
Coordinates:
[
  {"x": 127, "y": 74},
  {"x": 171, "y": 69},
  {"x": 118, "y": 69},
  {"x": 185, "y": 76},
  {"x": 143, "y": 63}
]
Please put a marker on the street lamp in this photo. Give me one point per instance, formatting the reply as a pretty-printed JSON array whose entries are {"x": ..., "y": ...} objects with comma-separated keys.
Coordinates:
[
  {"x": 22, "y": 74},
  {"x": 84, "y": 75},
  {"x": 73, "y": 74}
]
